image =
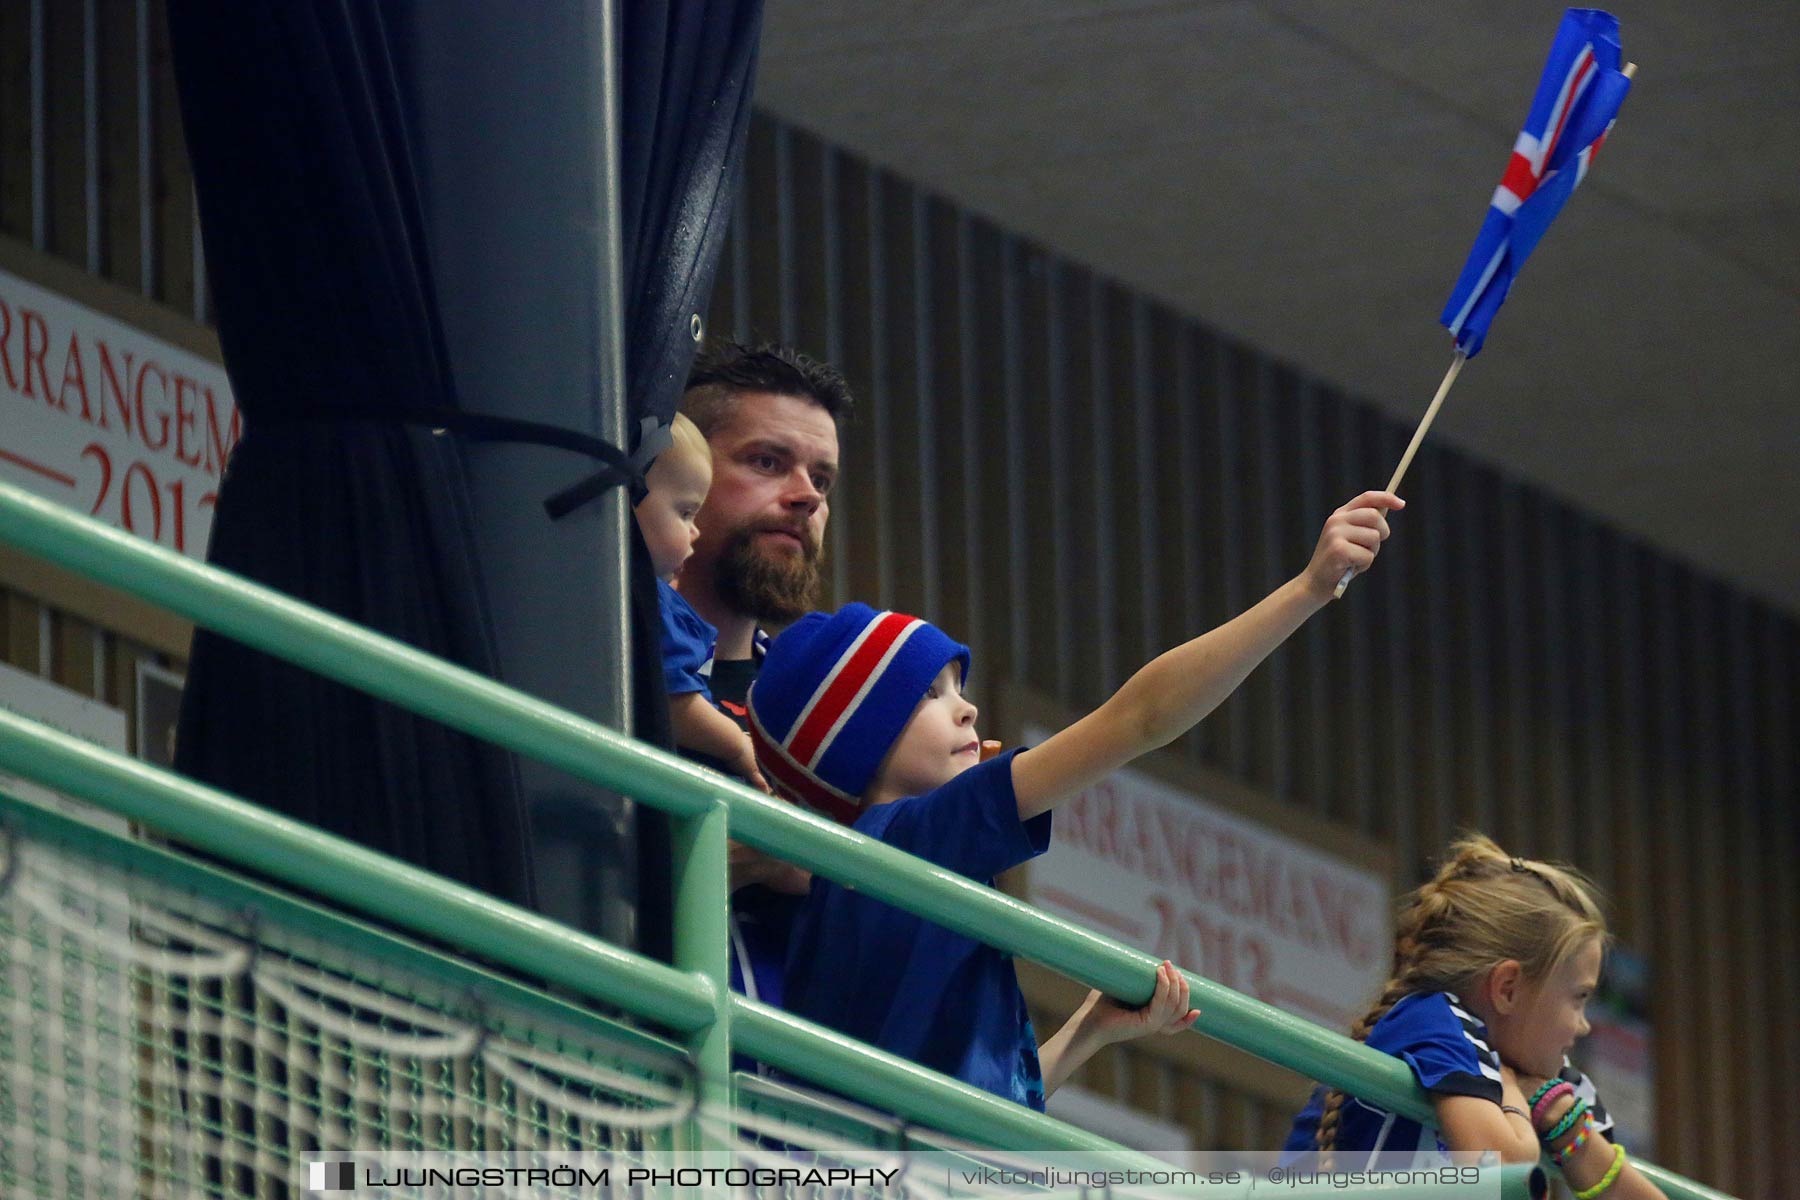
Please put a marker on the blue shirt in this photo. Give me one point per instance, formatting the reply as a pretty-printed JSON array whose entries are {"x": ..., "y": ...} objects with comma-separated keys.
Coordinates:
[
  {"x": 1450, "y": 1054},
  {"x": 911, "y": 987},
  {"x": 687, "y": 643}
]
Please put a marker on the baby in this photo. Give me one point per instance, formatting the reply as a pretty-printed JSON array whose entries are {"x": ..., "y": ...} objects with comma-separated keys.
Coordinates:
[{"x": 678, "y": 482}]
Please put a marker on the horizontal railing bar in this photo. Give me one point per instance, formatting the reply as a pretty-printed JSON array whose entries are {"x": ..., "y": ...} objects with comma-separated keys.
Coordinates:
[
  {"x": 268, "y": 620},
  {"x": 315, "y": 921},
  {"x": 308, "y": 858}
]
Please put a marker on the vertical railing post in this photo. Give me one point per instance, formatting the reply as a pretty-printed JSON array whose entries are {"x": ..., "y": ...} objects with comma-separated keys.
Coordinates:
[
  {"x": 615, "y": 422},
  {"x": 702, "y": 898}
]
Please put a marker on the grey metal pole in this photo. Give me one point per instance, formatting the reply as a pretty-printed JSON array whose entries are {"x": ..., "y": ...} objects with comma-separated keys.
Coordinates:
[
  {"x": 615, "y": 549},
  {"x": 519, "y": 113}
]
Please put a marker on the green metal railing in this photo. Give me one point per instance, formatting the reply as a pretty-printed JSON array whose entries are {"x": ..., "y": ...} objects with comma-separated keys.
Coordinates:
[{"x": 691, "y": 998}]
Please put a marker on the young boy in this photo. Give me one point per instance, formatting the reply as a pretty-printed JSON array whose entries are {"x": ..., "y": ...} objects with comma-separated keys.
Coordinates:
[
  {"x": 861, "y": 715},
  {"x": 677, "y": 484}
]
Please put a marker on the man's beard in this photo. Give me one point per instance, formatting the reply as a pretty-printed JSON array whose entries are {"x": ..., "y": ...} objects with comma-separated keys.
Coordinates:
[{"x": 776, "y": 587}]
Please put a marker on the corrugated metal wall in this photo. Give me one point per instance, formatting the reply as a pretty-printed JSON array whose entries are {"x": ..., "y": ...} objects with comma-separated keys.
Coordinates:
[
  {"x": 1075, "y": 477},
  {"x": 93, "y": 168}
]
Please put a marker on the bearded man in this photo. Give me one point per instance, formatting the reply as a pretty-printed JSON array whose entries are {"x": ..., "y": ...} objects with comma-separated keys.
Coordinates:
[{"x": 771, "y": 416}]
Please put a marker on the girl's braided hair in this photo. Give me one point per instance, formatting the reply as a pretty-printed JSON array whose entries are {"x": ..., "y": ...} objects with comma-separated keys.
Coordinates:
[{"x": 1480, "y": 909}]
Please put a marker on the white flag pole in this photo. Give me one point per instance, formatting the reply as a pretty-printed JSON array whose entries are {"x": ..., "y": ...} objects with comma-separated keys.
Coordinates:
[{"x": 1412, "y": 448}]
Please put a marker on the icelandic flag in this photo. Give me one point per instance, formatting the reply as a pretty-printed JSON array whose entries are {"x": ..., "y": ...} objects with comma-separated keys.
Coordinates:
[{"x": 1573, "y": 111}]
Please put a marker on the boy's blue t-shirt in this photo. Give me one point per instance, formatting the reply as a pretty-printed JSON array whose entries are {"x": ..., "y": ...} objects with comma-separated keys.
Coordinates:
[
  {"x": 911, "y": 987},
  {"x": 687, "y": 643},
  {"x": 1450, "y": 1054}
]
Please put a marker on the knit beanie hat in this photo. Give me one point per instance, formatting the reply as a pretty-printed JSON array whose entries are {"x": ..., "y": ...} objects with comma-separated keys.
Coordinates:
[{"x": 834, "y": 692}]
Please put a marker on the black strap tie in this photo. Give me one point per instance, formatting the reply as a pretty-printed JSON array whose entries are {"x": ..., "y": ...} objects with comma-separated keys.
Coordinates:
[{"x": 617, "y": 468}]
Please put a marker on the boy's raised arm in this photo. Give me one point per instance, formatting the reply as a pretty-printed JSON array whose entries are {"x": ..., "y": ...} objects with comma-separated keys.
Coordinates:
[{"x": 1177, "y": 689}]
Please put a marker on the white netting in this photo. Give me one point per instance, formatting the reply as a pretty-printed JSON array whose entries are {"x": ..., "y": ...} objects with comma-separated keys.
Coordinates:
[{"x": 154, "y": 1044}]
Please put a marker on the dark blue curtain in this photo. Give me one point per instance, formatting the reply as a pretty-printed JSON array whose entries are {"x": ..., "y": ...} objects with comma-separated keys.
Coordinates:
[
  {"x": 377, "y": 272},
  {"x": 687, "y": 72}
]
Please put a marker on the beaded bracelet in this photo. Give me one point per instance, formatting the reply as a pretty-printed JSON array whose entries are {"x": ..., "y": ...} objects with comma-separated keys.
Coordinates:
[
  {"x": 1569, "y": 1120},
  {"x": 1606, "y": 1180},
  {"x": 1580, "y": 1140},
  {"x": 1546, "y": 1096}
]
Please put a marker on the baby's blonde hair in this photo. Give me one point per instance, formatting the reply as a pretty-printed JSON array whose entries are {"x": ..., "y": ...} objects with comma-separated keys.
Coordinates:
[
  {"x": 1482, "y": 908},
  {"x": 688, "y": 442}
]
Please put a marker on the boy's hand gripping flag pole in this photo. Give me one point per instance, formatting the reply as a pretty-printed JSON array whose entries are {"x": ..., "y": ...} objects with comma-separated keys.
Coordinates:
[{"x": 1577, "y": 100}]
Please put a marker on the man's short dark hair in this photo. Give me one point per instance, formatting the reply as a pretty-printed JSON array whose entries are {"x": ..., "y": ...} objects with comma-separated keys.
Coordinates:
[{"x": 729, "y": 369}]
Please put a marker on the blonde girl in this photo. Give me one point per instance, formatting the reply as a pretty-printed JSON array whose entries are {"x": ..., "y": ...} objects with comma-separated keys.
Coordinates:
[{"x": 1495, "y": 959}]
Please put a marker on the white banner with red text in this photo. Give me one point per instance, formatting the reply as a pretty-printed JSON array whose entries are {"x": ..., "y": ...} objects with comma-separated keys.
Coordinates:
[{"x": 109, "y": 420}]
